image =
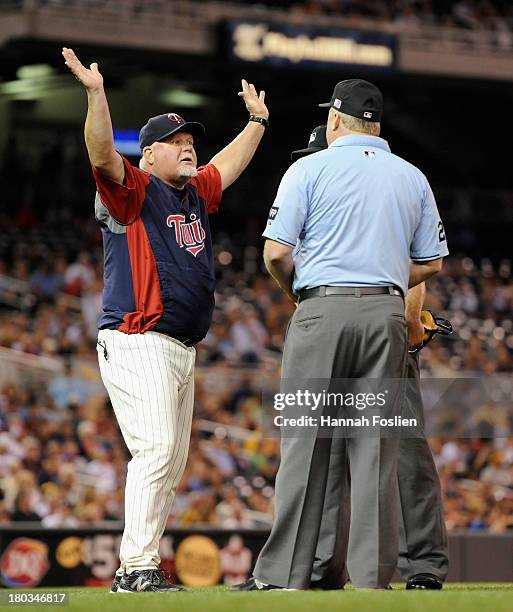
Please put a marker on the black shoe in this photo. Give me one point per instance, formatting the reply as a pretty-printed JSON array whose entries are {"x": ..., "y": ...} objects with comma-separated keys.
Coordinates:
[
  {"x": 115, "y": 584},
  {"x": 325, "y": 586},
  {"x": 253, "y": 584},
  {"x": 424, "y": 581},
  {"x": 152, "y": 580}
]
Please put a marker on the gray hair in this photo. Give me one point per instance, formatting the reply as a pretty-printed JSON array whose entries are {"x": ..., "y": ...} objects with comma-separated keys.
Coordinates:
[
  {"x": 142, "y": 164},
  {"x": 359, "y": 125}
]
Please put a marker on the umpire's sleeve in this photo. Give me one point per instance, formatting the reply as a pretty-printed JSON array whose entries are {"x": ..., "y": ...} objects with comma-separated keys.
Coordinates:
[
  {"x": 429, "y": 241},
  {"x": 288, "y": 212}
]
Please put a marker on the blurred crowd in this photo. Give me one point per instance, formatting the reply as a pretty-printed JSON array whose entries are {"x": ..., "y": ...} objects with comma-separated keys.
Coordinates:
[
  {"x": 65, "y": 465},
  {"x": 51, "y": 294},
  {"x": 496, "y": 15},
  {"x": 63, "y": 461},
  {"x": 478, "y": 299},
  {"x": 469, "y": 14},
  {"x": 477, "y": 482}
]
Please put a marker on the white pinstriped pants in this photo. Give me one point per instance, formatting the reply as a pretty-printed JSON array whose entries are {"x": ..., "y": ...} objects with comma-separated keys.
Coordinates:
[{"x": 150, "y": 381}]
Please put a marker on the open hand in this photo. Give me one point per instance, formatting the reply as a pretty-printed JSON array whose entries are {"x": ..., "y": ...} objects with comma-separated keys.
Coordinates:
[
  {"x": 90, "y": 78},
  {"x": 254, "y": 102}
]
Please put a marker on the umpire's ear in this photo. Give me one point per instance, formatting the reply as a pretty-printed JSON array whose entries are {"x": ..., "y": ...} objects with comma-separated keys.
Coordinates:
[{"x": 334, "y": 121}]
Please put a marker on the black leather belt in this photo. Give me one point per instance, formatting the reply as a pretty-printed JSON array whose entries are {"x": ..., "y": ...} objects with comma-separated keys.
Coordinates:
[{"x": 324, "y": 291}]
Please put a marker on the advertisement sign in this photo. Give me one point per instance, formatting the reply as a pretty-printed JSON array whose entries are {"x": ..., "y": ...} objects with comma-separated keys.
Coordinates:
[
  {"x": 290, "y": 45},
  {"x": 24, "y": 563},
  {"x": 72, "y": 557},
  {"x": 196, "y": 558}
]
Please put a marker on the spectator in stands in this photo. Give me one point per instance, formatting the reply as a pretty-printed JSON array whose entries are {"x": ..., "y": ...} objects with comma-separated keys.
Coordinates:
[
  {"x": 5, "y": 517},
  {"x": 79, "y": 274},
  {"x": 68, "y": 389},
  {"x": 61, "y": 515},
  {"x": 23, "y": 509},
  {"x": 248, "y": 334},
  {"x": 45, "y": 281}
]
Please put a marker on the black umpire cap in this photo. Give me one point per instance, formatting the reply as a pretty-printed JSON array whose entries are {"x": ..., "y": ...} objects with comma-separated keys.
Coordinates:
[
  {"x": 317, "y": 142},
  {"x": 357, "y": 98},
  {"x": 162, "y": 126}
]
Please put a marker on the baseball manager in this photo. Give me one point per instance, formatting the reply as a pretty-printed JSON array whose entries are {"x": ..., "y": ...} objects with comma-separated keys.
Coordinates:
[{"x": 158, "y": 299}]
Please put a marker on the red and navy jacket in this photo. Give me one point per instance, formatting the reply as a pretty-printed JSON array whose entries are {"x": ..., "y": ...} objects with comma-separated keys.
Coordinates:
[{"x": 158, "y": 260}]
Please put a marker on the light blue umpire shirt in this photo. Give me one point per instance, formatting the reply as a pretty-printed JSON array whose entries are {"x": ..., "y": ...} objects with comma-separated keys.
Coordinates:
[{"x": 355, "y": 214}]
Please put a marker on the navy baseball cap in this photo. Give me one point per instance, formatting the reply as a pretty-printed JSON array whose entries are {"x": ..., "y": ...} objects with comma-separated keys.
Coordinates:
[
  {"x": 162, "y": 126},
  {"x": 357, "y": 98},
  {"x": 317, "y": 142}
]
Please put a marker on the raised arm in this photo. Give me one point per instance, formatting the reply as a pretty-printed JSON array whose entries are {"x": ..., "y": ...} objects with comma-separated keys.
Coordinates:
[
  {"x": 98, "y": 126},
  {"x": 234, "y": 158}
]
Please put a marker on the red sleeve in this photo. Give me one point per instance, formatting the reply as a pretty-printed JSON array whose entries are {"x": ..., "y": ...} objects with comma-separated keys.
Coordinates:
[
  {"x": 208, "y": 184},
  {"x": 124, "y": 202}
]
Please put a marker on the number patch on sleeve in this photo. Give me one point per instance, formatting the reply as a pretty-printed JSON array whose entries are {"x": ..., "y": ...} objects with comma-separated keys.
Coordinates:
[{"x": 441, "y": 232}]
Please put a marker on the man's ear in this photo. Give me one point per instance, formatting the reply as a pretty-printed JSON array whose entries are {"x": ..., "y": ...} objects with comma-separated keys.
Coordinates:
[
  {"x": 337, "y": 119},
  {"x": 148, "y": 155},
  {"x": 332, "y": 120}
]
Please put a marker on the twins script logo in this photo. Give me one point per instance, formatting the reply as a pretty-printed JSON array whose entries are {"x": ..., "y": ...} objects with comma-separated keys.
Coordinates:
[{"x": 189, "y": 235}]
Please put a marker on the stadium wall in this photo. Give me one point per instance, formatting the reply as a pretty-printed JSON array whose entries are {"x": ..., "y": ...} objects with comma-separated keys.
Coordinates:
[{"x": 88, "y": 557}]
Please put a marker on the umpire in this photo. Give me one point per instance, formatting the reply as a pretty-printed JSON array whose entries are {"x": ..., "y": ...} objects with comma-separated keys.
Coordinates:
[
  {"x": 423, "y": 555},
  {"x": 345, "y": 223}
]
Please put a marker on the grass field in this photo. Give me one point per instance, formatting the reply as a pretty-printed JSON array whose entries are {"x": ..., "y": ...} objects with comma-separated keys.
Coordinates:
[{"x": 454, "y": 598}]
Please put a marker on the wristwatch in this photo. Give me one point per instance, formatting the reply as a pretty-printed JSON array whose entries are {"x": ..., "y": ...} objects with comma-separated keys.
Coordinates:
[{"x": 262, "y": 120}]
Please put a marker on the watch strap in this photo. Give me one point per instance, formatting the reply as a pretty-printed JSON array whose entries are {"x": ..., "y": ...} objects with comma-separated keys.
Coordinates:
[{"x": 262, "y": 120}]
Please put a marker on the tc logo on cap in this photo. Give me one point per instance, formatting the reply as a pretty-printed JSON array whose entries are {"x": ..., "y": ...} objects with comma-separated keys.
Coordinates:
[
  {"x": 312, "y": 137},
  {"x": 175, "y": 118},
  {"x": 367, "y": 115}
]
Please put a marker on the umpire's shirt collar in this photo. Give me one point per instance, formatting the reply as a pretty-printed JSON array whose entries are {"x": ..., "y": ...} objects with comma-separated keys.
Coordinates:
[{"x": 361, "y": 140}]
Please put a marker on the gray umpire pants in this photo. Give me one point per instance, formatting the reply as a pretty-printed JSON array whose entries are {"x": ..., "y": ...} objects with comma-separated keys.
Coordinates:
[
  {"x": 422, "y": 532},
  {"x": 338, "y": 337},
  {"x": 423, "y": 537}
]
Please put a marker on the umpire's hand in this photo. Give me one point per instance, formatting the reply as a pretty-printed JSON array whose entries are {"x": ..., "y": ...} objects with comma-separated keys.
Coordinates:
[{"x": 415, "y": 333}]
